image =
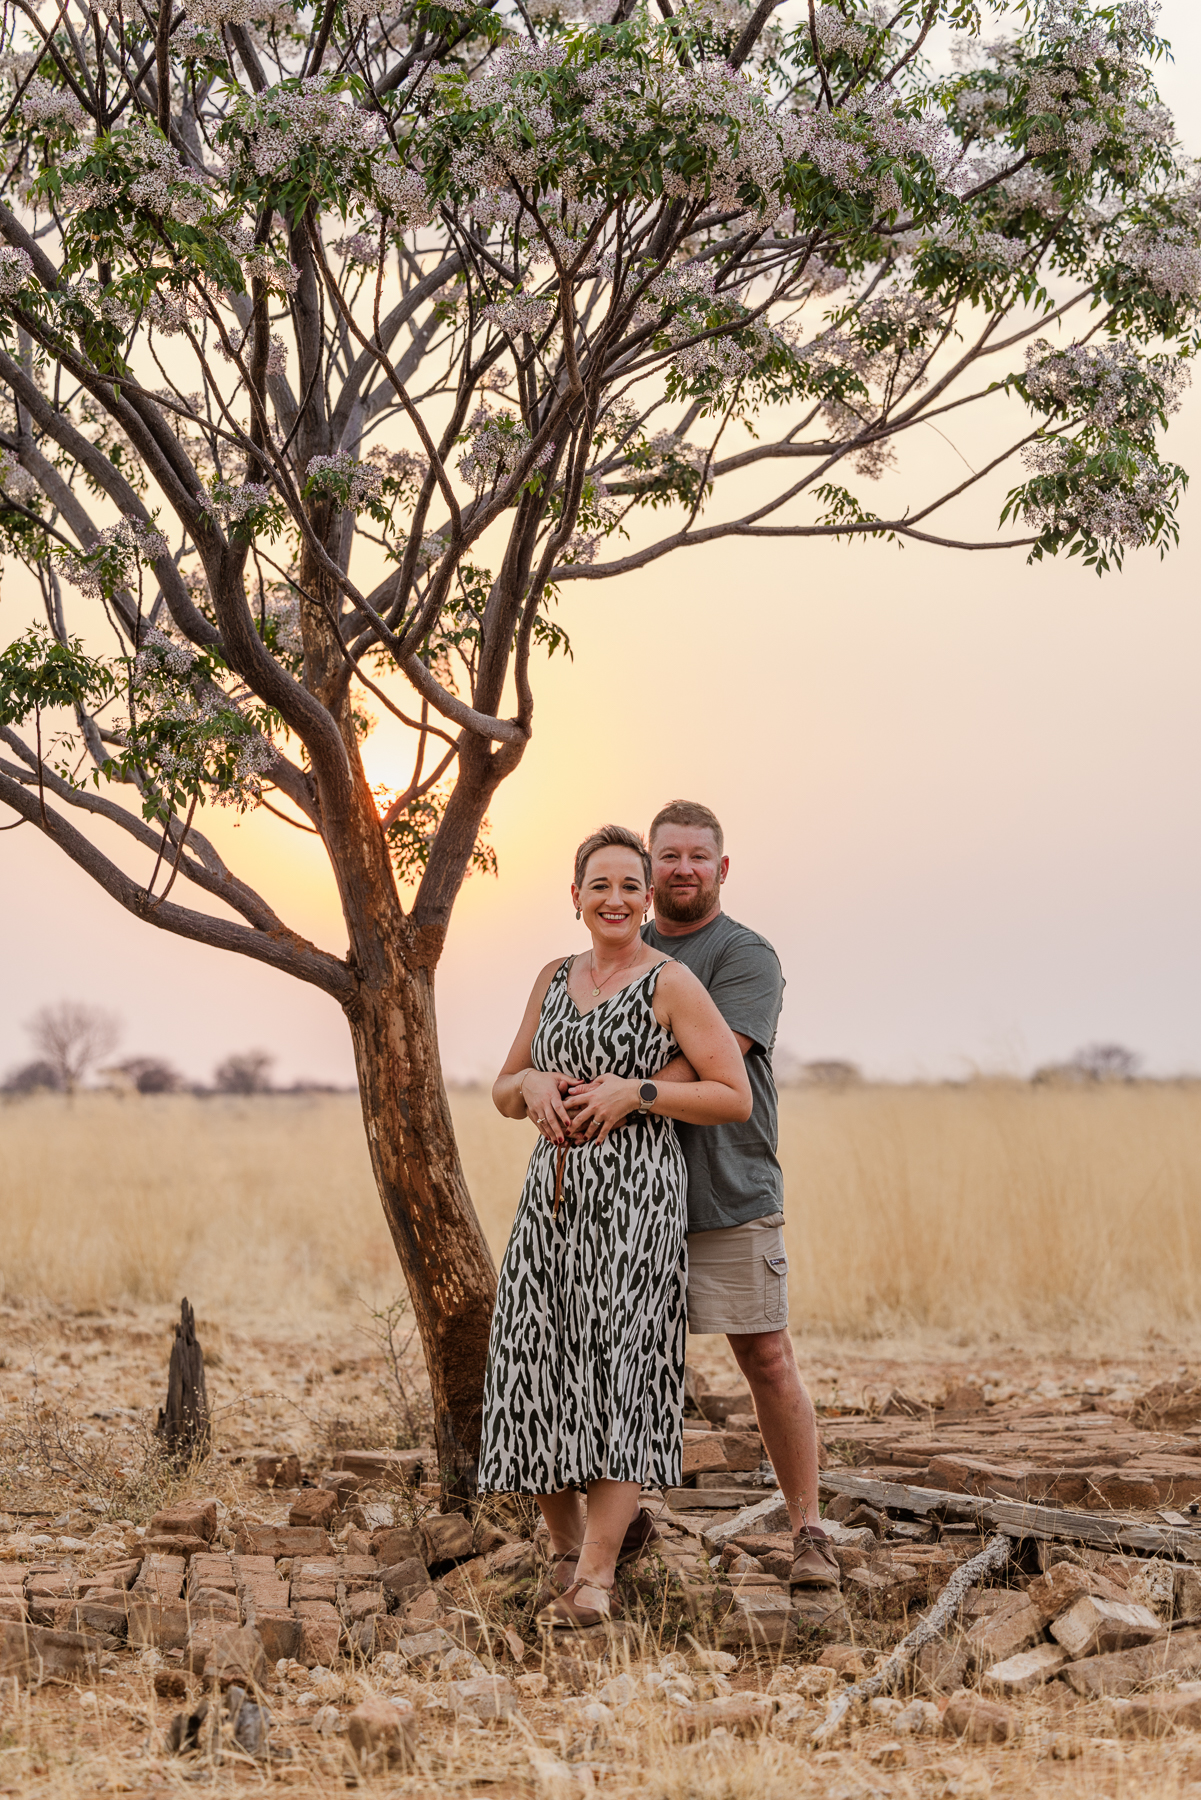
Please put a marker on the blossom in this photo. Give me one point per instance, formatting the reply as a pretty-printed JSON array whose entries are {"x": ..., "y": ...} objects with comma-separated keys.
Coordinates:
[
  {"x": 44, "y": 105},
  {"x": 1169, "y": 261},
  {"x": 1104, "y": 385},
  {"x": 115, "y": 556},
  {"x": 521, "y": 314},
  {"x": 356, "y": 484},
  {"x": 233, "y": 503},
  {"x": 16, "y": 271},
  {"x": 1072, "y": 496}
]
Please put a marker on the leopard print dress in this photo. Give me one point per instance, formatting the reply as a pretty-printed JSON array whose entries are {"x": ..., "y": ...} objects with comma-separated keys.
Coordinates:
[{"x": 585, "y": 1373}]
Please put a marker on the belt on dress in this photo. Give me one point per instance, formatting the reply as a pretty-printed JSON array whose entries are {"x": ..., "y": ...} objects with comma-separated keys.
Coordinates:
[{"x": 634, "y": 1118}]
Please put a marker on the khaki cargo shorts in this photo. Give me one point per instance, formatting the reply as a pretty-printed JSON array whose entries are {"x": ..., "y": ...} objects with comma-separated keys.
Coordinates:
[{"x": 738, "y": 1278}]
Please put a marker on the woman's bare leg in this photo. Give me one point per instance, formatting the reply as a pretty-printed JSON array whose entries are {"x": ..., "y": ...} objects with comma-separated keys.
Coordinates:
[
  {"x": 564, "y": 1515},
  {"x": 611, "y": 1507}
]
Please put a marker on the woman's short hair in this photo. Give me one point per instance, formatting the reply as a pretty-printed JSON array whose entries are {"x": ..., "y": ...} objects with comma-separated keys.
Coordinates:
[{"x": 607, "y": 837}]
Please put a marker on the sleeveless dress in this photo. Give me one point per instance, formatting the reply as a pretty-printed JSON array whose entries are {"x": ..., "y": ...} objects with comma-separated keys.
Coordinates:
[{"x": 585, "y": 1375}]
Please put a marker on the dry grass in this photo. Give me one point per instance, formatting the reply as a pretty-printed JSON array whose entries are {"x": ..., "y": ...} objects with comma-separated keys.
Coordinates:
[{"x": 989, "y": 1210}]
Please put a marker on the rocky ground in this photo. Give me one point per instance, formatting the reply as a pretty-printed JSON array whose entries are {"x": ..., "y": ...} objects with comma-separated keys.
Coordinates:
[{"x": 295, "y": 1610}]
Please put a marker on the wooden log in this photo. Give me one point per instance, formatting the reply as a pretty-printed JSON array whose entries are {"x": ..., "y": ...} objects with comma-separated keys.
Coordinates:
[
  {"x": 992, "y": 1558},
  {"x": 1019, "y": 1519},
  {"x": 184, "y": 1424}
]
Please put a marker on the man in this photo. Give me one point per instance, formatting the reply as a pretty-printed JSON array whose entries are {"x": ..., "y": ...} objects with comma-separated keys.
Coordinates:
[{"x": 737, "y": 1266}]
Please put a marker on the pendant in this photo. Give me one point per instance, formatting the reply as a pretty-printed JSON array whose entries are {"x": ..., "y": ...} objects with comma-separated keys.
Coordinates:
[{"x": 595, "y": 992}]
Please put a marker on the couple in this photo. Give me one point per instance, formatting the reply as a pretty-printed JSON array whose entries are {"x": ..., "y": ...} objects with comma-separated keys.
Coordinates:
[{"x": 653, "y": 1195}]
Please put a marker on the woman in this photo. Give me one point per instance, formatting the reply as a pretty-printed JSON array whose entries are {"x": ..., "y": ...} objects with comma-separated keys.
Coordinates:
[{"x": 585, "y": 1382}]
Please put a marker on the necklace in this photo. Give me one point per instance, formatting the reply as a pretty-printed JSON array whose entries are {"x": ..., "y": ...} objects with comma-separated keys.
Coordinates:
[{"x": 608, "y": 978}]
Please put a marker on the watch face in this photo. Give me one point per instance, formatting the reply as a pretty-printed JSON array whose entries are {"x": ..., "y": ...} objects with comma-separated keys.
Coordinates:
[{"x": 648, "y": 1093}]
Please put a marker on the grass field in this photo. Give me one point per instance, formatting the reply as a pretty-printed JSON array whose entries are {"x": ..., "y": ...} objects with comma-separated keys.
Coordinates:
[
  {"x": 1044, "y": 1233},
  {"x": 987, "y": 1211}
]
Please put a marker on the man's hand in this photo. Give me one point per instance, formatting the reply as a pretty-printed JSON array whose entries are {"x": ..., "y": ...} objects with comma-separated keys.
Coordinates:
[{"x": 597, "y": 1106}]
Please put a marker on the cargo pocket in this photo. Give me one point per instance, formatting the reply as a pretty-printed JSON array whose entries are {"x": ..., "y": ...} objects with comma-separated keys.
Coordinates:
[{"x": 775, "y": 1289}]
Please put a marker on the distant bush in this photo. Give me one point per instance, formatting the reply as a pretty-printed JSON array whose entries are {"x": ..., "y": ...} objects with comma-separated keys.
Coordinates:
[
  {"x": 246, "y": 1073},
  {"x": 148, "y": 1074},
  {"x": 33, "y": 1078}
]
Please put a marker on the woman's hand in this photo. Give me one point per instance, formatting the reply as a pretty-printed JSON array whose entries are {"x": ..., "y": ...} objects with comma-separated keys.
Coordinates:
[
  {"x": 597, "y": 1106},
  {"x": 542, "y": 1091}
]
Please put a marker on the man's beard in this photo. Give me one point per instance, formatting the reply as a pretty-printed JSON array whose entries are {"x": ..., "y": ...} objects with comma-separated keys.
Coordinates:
[{"x": 686, "y": 909}]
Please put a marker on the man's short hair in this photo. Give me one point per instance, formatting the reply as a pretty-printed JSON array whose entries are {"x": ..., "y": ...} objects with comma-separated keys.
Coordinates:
[{"x": 688, "y": 812}]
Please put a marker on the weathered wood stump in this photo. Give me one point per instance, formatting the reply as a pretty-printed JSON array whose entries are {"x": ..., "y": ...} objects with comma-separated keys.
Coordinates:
[{"x": 184, "y": 1424}]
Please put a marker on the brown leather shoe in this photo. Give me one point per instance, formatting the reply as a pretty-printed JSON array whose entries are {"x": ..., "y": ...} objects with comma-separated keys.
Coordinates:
[
  {"x": 813, "y": 1564},
  {"x": 560, "y": 1574},
  {"x": 641, "y": 1533},
  {"x": 566, "y": 1613}
]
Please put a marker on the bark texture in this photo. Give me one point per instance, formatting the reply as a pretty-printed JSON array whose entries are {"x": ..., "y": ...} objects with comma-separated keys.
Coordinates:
[{"x": 443, "y": 1253}]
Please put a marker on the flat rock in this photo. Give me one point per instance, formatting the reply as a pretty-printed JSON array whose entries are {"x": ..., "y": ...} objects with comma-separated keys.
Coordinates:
[
  {"x": 162, "y": 1624},
  {"x": 229, "y": 1653},
  {"x": 1153, "y": 1715},
  {"x": 382, "y": 1733},
  {"x": 193, "y": 1518},
  {"x": 314, "y": 1506},
  {"x": 1093, "y": 1627},
  {"x": 396, "y": 1467},
  {"x": 1007, "y": 1632},
  {"x": 483, "y": 1697},
  {"x": 282, "y": 1634},
  {"x": 1125, "y": 1671},
  {"x": 766, "y": 1515},
  {"x": 392, "y": 1544},
  {"x": 283, "y": 1540},
  {"x": 758, "y": 1618},
  {"x": 447, "y": 1537},
  {"x": 978, "y": 1721},
  {"x": 424, "y": 1646},
  {"x": 38, "y": 1653},
  {"x": 745, "y": 1714},
  {"x": 1023, "y": 1673},
  {"x": 1063, "y": 1584}
]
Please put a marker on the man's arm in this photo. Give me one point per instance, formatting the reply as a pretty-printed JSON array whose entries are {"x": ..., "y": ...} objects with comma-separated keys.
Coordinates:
[{"x": 680, "y": 1069}]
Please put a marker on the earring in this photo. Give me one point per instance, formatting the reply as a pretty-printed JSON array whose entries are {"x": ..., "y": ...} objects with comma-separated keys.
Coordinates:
[
  {"x": 644, "y": 915},
  {"x": 578, "y": 913}
]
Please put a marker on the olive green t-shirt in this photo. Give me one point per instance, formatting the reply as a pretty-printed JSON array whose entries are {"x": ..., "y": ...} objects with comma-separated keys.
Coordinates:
[{"x": 733, "y": 1174}]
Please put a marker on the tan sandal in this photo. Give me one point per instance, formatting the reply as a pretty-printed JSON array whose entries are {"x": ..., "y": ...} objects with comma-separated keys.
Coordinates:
[
  {"x": 554, "y": 1582},
  {"x": 565, "y": 1613},
  {"x": 640, "y": 1535}
]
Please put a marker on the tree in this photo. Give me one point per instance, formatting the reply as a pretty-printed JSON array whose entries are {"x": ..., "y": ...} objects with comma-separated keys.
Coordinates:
[
  {"x": 339, "y": 340},
  {"x": 246, "y": 1073},
  {"x": 33, "y": 1078},
  {"x": 149, "y": 1074},
  {"x": 1107, "y": 1062},
  {"x": 72, "y": 1038}
]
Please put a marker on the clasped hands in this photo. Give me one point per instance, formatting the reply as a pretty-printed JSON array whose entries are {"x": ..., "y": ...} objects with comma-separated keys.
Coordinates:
[{"x": 567, "y": 1111}]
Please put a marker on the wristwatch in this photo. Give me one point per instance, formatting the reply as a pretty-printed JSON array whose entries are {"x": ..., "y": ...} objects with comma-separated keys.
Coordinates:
[{"x": 648, "y": 1093}]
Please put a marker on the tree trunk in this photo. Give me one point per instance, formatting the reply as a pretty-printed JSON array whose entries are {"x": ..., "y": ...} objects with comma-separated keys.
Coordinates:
[{"x": 443, "y": 1252}]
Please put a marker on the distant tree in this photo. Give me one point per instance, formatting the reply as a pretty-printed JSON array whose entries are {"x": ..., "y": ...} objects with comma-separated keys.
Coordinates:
[
  {"x": 1107, "y": 1062},
  {"x": 247, "y": 1073},
  {"x": 150, "y": 1075},
  {"x": 72, "y": 1038},
  {"x": 1095, "y": 1062},
  {"x": 33, "y": 1078}
]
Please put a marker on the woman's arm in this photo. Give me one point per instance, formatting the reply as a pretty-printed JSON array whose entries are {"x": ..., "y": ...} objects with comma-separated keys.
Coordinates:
[
  {"x": 721, "y": 1092},
  {"x": 521, "y": 1091}
]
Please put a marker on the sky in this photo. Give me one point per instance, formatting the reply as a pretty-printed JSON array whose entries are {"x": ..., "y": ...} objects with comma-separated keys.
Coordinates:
[{"x": 960, "y": 795}]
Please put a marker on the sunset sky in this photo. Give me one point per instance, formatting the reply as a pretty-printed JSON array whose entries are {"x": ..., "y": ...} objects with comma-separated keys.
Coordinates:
[{"x": 962, "y": 797}]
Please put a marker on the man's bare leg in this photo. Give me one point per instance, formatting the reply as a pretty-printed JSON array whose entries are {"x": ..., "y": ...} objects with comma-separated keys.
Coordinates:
[{"x": 786, "y": 1418}]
